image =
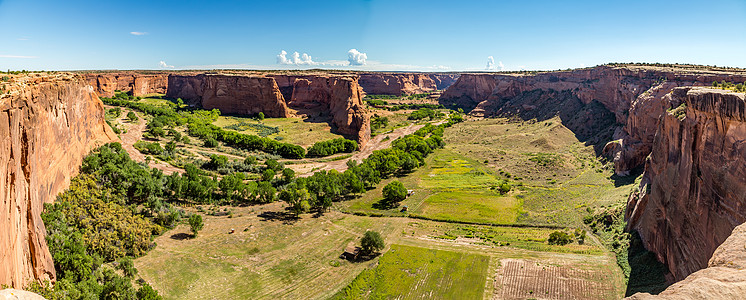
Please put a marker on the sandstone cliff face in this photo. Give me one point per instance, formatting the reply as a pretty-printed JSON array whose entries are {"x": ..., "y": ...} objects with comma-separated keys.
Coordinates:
[
  {"x": 47, "y": 125},
  {"x": 230, "y": 94},
  {"x": 341, "y": 95},
  {"x": 724, "y": 278},
  {"x": 634, "y": 94},
  {"x": 693, "y": 191},
  {"x": 400, "y": 83},
  {"x": 138, "y": 84}
]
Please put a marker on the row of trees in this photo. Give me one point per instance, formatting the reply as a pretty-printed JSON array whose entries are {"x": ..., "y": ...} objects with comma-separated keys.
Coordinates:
[
  {"x": 330, "y": 147},
  {"x": 425, "y": 113}
]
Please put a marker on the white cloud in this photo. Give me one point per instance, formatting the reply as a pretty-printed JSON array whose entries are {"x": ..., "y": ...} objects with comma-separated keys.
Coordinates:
[
  {"x": 138, "y": 33},
  {"x": 491, "y": 64},
  {"x": 22, "y": 38},
  {"x": 16, "y": 56},
  {"x": 163, "y": 64},
  {"x": 295, "y": 59},
  {"x": 356, "y": 58}
]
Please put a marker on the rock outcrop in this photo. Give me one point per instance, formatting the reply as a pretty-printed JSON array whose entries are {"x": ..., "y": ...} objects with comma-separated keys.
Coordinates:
[
  {"x": 231, "y": 94},
  {"x": 693, "y": 191},
  {"x": 340, "y": 95},
  {"x": 48, "y": 123},
  {"x": 404, "y": 83},
  {"x": 723, "y": 279},
  {"x": 634, "y": 94},
  {"x": 136, "y": 83}
]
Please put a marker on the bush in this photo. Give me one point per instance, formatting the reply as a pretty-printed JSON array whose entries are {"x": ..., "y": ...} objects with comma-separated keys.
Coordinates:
[
  {"x": 371, "y": 242},
  {"x": 132, "y": 116},
  {"x": 394, "y": 192},
  {"x": 559, "y": 238},
  {"x": 211, "y": 143},
  {"x": 326, "y": 148}
]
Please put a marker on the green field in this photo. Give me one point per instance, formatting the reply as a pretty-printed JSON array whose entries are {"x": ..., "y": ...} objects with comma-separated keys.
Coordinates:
[
  {"x": 407, "y": 272},
  {"x": 291, "y": 130}
]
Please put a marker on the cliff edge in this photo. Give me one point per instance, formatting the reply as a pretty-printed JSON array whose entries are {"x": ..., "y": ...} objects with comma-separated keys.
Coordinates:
[{"x": 48, "y": 123}]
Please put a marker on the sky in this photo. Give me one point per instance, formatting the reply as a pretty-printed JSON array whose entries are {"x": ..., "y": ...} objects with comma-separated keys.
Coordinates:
[{"x": 392, "y": 35}]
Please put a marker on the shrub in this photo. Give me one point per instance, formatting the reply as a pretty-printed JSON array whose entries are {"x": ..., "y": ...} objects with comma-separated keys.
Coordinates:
[
  {"x": 132, "y": 116},
  {"x": 559, "y": 238}
]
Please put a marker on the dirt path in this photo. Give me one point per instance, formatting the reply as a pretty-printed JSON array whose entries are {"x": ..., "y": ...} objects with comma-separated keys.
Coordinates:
[
  {"x": 134, "y": 134},
  {"x": 377, "y": 143}
]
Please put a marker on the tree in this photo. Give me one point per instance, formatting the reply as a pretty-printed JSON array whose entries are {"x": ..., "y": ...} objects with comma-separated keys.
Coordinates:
[
  {"x": 170, "y": 147},
  {"x": 266, "y": 192},
  {"x": 288, "y": 174},
  {"x": 372, "y": 242},
  {"x": 195, "y": 222},
  {"x": 260, "y": 116},
  {"x": 580, "y": 235},
  {"x": 127, "y": 267},
  {"x": 394, "y": 192},
  {"x": 146, "y": 292},
  {"x": 211, "y": 143},
  {"x": 559, "y": 238},
  {"x": 268, "y": 174}
]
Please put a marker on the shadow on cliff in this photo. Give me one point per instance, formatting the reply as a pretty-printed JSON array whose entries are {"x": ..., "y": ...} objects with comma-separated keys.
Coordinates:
[
  {"x": 647, "y": 274},
  {"x": 591, "y": 123}
]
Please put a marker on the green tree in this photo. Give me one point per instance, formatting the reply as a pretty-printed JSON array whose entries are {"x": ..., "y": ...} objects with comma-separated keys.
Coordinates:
[
  {"x": 371, "y": 242},
  {"x": 195, "y": 222},
  {"x": 127, "y": 267},
  {"x": 559, "y": 238},
  {"x": 394, "y": 192},
  {"x": 266, "y": 192},
  {"x": 268, "y": 175},
  {"x": 170, "y": 147},
  {"x": 146, "y": 292},
  {"x": 260, "y": 116},
  {"x": 211, "y": 143},
  {"x": 288, "y": 174}
]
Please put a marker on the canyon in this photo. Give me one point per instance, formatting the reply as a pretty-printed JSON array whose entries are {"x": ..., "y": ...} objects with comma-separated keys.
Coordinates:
[
  {"x": 690, "y": 141},
  {"x": 48, "y": 124},
  {"x": 686, "y": 140}
]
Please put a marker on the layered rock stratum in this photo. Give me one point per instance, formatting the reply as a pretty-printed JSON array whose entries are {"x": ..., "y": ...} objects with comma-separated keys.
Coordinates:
[
  {"x": 405, "y": 83},
  {"x": 48, "y": 123},
  {"x": 693, "y": 191},
  {"x": 136, "y": 83}
]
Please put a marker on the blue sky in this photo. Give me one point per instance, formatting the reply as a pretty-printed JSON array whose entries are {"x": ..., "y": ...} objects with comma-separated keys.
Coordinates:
[{"x": 385, "y": 35}]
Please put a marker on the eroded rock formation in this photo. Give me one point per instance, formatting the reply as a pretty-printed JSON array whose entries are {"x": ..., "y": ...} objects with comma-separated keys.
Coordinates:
[
  {"x": 405, "y": 83},
  {"x": 138, "y": 84},
  {"x": 693, "y": 191},
  {"x": 48, "y": 123},
  {"x": 634, "y": 94},
  {"x": 340, "y": 95},
  {"x": 723, "y": 279},
  {"x": 231, "y": 94}
]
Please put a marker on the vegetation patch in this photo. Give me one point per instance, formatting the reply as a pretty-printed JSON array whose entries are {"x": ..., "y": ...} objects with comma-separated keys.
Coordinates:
[{"x": 406, "y": 272}]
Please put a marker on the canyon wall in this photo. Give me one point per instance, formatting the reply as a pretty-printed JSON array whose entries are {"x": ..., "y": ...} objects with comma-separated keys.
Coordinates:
[
  {"x": 340, "y": 95},
  {"x": 231, "y": 94},
  {"x": 634, "y": 94},
  {"x": 404, "y": 83},
  {"x": 136, "y": 83},
  {"x": 723, "y": 279},
  {"x": 48, "y": 123},
  {"x": 693, "y": 191}
]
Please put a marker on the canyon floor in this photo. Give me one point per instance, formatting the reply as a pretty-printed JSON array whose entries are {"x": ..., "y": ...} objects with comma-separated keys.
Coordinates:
[{"x": 459, "y": 237}]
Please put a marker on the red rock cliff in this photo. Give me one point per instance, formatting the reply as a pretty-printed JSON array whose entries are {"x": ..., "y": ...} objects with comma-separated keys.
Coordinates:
[
  {"x": 693, "y": 191},
  {"x": 340, "y": 94},
  {"x": 47, "y": 125},
  {"x": 723, "y": 279},
  {"x": 233, "y": 94},
  {"x": 138, "y": 84},
  {"x": 405, "y": 83},
  {"x": 634, "y": 94}
]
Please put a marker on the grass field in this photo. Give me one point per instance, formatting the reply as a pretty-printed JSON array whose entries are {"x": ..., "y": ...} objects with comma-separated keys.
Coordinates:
[
  {"x": 264, "y": 259},
  {"x": 407, "y": 272},
  {"x": 291, "y": 130}
]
